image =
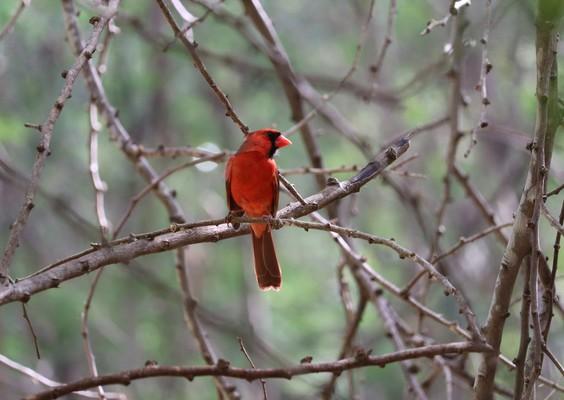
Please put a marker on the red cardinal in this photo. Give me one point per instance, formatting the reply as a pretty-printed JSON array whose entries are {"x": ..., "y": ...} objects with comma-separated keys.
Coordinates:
[{"x": 251, "y": 182}]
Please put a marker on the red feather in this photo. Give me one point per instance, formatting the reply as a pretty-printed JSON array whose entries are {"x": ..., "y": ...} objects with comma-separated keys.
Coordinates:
[{"x": 251, "y": 181}]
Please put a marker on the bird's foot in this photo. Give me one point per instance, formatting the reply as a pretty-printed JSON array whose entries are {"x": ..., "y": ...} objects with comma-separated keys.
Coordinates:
[{"x": 234, "y": 214}]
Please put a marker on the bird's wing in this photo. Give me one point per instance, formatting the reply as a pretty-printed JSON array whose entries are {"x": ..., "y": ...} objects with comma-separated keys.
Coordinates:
[
  {"x": 231, "y": 204},
  {"x": 275, "y": 193}
]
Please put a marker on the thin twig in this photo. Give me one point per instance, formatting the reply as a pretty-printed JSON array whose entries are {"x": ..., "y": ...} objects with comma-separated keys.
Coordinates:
[
  {"x": 292, "y": 189},
  {"x": 376, "y": 67},
  {"x": 139, "y": 196},
  {"x": 553, "y": 359},
  {"x": 525, "y": 338},
  {"x": 482, "y": 87},
  {"x": 31, "y": 330},
  {"x": 14, "y": 18},
  {"x": 199, "y": 64},
  {"x": 555, "y": 191},
  {"x": 86, "y": 333},
  {"x": 463, "y": 241},
  {"x": 37, "y": 377},
  {"x": 244, "y": 351},
  {"x": 551, "y": 219}
]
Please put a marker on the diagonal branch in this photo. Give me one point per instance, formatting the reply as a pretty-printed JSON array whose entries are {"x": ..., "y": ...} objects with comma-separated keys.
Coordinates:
[
  {"x": 43, "y": 148},
  {"x": 199, "y": 64},
  {"x": 124, "y": 250},
  {"x": 14, "y": 18}
]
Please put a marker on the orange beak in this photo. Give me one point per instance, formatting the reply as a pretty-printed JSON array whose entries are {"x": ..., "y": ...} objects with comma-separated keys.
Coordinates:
[{"x": 282, "y": 141}]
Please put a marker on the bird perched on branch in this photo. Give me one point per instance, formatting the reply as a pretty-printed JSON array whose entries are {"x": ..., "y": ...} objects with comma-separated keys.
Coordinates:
[{"x": 251, "y": 182}]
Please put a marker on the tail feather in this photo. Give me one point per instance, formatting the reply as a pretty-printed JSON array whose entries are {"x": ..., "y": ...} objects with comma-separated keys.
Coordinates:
[{"x": 267, "y": 269}]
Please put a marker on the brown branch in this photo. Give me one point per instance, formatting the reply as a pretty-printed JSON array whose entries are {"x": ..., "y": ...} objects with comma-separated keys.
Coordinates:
[
  {"x": 339, "y": 232},
  {"x": 287, "y": 76},
  {"x": 480, "y": 202},
  {"x": 455, "y": 7},
  {"x": 199, "y": 64},
  {"x": 163, "y": 193},
  {"x": 85, "y": 332},
  {"x": 551, "y": 219},
  {"x": 291, "y": 189},
  {"x": 555, "y": 191},
  {"x": 455, "y": 92},
  {"x": 13, "y": 19},
  {"x": 525, "y": 338},
  {"x": 519, "y": 245},
  {"x": 553, "y": 359},
  {"x": 223, "y": 368},
  {"x": 59, "y": 205},
  {"x": 37, "y": 377},
  {"x": 31, "y": 330},
  {"x": 392, "y": 331},
  {"x": 243, "y": 65},
  {"x": 190, "y": 304},
  {"x": 244, "y": 351},
  {"x": 549, "y": 296},
  {"x": 463, "y": 241},
  {"x": 375, "y": 69},
  {"x": 139, "y": 196},
  {"x": 352, "y": 329},
  {"x": 43, "y": 148},
  {"x": 126, "y": 249},
  {"x": 485, "y": 68}
]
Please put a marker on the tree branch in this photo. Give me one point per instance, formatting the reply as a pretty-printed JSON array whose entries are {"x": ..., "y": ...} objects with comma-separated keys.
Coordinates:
[
  {"x": 43, "y": 148},
  {"x": 223, "y": 368}
]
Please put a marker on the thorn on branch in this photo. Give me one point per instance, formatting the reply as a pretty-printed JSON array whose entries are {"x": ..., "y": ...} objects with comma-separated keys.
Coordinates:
[
  {"x": 94, "y": 20},
  {"x": 37, "y": 127}
]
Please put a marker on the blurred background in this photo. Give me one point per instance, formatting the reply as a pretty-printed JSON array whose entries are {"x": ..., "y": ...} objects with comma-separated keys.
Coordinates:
[{"x": 136, "y": 312}]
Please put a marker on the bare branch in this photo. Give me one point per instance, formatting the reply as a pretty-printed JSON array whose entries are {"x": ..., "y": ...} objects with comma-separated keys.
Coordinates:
[
  {"x": 375, "y": 69},
  {"x": 223, "y": 368},
  {"x": 199, "y": 64},
  {"x": 180, "y": 235},
  {"x": 35, "y": 376},
  {"x": 520, "y": 244},
  {"x": 13, "y": 19},
  {"x": 463, "y": 241},
  {"x": 86, "y": 333},
  {"x": 262, "y": 381},
  {"x": 482, "y": 86},
  {"x": 43, "y": 148}
]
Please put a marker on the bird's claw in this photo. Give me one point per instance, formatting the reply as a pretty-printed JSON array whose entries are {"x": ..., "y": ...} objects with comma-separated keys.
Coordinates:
[{"x": 231, "y": 215}]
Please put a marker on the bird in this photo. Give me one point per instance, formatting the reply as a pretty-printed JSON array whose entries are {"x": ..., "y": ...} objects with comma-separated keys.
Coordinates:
[{"x": 252, "y": 187}]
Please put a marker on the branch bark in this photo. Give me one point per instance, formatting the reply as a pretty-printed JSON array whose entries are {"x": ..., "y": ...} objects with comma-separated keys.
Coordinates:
[
  {"x": 43, "y": 148},
  {"x": 519, "y": 246},
  {"x": 223, "y": 368},
  {"x": 124, "y": 250}
]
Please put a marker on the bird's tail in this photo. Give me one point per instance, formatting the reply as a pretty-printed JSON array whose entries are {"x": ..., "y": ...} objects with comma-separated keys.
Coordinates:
[{"x": 267, "y": 268}]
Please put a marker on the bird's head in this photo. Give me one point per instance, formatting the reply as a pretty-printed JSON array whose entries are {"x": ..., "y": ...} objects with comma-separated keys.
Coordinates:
[{"x": 266, "y": 141}]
